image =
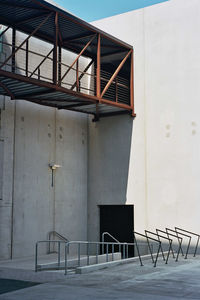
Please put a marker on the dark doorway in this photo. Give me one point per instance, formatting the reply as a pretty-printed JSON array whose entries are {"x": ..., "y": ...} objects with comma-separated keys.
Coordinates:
[{"x": 118, "y": 221}]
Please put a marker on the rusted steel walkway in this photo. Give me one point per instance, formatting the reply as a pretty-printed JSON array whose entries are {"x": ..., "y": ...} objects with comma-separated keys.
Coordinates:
[{"x": 53, "y": 58}]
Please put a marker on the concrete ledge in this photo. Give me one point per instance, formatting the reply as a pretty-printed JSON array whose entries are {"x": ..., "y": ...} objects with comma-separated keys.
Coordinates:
[
  {"x": 95, "y": 267},
  {"x": 83, "y": 261}
]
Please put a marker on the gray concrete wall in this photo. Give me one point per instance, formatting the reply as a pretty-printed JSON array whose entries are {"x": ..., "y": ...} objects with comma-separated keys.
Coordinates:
[
  {"x": 31, "y": 138},
  {"x": 6, "y": 136},
  {"x": 30, "y": 206}
]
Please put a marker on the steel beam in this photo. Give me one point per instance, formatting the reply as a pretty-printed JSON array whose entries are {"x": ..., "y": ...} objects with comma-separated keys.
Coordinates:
[
  {"x": 76, "y": 38},
  {"x": 13, "y": 49},
  {"x": 31, "y": 18},
  {"x": 82, "y": 51},
  {"x": 59, "y": 63},
  {"x": 115, "y": 73},
  {"x": 121, "y": 105},
  {"x": 33, "y": 32},
  {"x": 132, "y": 84},
  {"x": 98, "y": 72},
  {"x": 55, "y": 51},
  {"x": 41, "y": 62},
  {"x": 77, "y": 77},
  {"x": 77, "y": 105},
  {"x": 4, "y": 31},
  {"x": 114, "y": 113},
  {"x": 45, "y": 84},
  {"x": 82, "y": 74},
  {"x": 7, "y": 90},
  {"x": 27, "y": 56},
  {"x": 15, "y": 4},
  {"x": 84, "y": 25}
]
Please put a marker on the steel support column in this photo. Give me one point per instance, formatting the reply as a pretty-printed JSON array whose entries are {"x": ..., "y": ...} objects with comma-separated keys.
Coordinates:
[
  {"x": 27, "y": 52},
  {"x": 132, "y": 83},
  {"x": 77, "y": 80},
  {"x": 98, "y": 72},
  {"x": 55, "y": 51},
  {"x": 59, "y": 63},
  {"x": 13, "y": 49}
]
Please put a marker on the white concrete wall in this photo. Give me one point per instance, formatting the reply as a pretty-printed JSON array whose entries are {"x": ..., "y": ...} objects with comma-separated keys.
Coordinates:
[{"x": 164, "y": 169}]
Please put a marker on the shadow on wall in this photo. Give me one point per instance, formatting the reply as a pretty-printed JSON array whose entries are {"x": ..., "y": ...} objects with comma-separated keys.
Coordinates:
[{"x": 108, "y": 166}]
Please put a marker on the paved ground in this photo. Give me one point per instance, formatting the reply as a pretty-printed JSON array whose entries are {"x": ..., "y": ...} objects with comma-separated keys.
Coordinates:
[
  {"x": 9, "y": 285},
  {"x": 165, "y": 282}
]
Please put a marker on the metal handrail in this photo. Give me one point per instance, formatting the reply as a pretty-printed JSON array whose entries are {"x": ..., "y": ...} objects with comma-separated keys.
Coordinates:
[
  {"x": 188, "y": 236},
  {"x": 192, "y": 233},
  {"x": 55, "y": 233},
  {"x": 110, "y": 235},
  {"x": 47, "y": 241},
  {"x": 163, "y": 237},
  {"x": 121, "y": 246},
  {"x": 179, "y": 241},
  {"x": 58, "y": 235},
  {"x": 149, "y": 238},
  {"x": 103, "y": 239}
]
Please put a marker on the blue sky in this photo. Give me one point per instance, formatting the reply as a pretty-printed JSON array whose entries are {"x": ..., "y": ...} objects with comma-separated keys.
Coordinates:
[{"x": 90, "y": 10}]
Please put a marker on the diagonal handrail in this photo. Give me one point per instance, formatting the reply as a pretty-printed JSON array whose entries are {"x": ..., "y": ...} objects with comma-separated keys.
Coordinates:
[
  {"x": 82, "y": 51},
  {"x": 33, "y": 32},
  {"x": 190, "y": 232},
  {"x": 88, "y": 244},
  {"x": 179, "y": 238},
  {"x": 170, "y": 243},
  {"x": 115, "y": 73},
  {"x": 153, "y": 233},
  {"x": 190, "y": 238},
  {"x": 41, "y": 62},
  {"x": 82, "y": 74},
  {"x": 4, "y": 31},
  {"x": 179, "y": 233},
  {"x": 55, "y": 233},
  {"x": 155, "y": 240}
]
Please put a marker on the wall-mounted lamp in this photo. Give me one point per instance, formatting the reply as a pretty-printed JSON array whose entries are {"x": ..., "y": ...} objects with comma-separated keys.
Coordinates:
[{"x": 53, "y": 167}]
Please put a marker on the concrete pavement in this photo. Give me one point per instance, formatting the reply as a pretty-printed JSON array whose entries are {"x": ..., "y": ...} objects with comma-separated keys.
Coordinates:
[{"x": 177, "y": 280}]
